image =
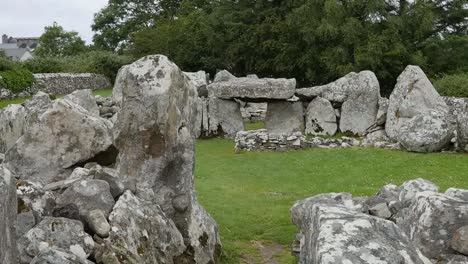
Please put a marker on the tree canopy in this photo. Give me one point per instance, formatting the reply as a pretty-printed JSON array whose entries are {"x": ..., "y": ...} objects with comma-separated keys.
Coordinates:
[
  {"x": 314, "y": 41},
  {"x": 55, "y": 41}
]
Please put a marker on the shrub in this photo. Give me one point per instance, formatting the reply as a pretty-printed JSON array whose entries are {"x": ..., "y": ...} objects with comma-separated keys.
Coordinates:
[
  {"x": 453, "y": 85},
  {"x": 16, "y": 79},
  {"x": 45, "y": 64}
]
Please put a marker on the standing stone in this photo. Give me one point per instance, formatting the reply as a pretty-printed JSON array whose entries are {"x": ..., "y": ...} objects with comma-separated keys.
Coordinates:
[
  {"x": 120, "y": 83},
  {"x": 360, "y": 109},
  {"x": 154, "y": 137},
  {"x": 462, "y": 131},
  {"x": 381, "y": 117},
  {"x": 320, "y": 118},
  {"x": 284, "y": 117},
  {"x": 253, "y": 89},
  {"x": 200, "y": 82},
  {"x": 8, "y": 209},
  {"x": 65, "y": 135},
  {"x": 413, "y": 94},
  {"x": 85, "y": 99},
  {"x": 224, "y": 117},
  {"x": 426, "y": 132}
]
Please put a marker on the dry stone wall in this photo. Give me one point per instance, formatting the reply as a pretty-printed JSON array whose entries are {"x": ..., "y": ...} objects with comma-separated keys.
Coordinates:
[{"x": 60, "y": 84}]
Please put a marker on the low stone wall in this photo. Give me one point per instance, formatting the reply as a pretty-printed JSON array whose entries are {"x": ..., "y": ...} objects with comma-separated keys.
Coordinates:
[
  {"x": 261, "y": 140},
  {"x": 61, "y": 83}
]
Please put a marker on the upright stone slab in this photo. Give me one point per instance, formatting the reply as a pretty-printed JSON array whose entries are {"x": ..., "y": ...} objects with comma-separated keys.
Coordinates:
[
  {"x": 199, "y": 80},
  {"x": 224, "y": 117},
  {"x": 413, "y": 95},
  {"x": 8, "y": 209},
  {"x": 12, "y": 125},
  {"x": 253, "y": 89},
  {"x": 320, "y": 118},
  {"x": 156, "y": 150},
  {"x": 284, "y": 117},
  {"x": 119, "y": 84}
]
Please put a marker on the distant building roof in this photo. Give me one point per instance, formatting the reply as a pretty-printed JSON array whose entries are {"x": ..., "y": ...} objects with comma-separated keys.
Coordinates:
[{"x": 15, "y": 53}]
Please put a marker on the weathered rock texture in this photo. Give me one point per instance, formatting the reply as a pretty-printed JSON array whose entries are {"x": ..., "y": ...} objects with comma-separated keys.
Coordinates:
[
  {"x": 8, "y": 208},
  {"x": 85, "y": 99},
  {"x": 284, "y": 117},
  {"x": 154, "y": 135},
  {"x": 250, "y": 88},
  {"x": 64, "y": 135},
  {"x": 320, "y": 118},
  {"x": 413, "y": 95},
  {"x": 12, "y": 125},
  {"x": 224, "y": 118},
  {"x": 200, "y": 81}
]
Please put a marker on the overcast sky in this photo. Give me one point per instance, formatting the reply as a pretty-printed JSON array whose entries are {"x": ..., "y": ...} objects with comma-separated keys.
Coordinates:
[{"x": 27, "y": 18}]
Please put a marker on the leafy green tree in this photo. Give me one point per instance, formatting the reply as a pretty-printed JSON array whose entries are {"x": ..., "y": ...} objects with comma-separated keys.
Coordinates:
[{"x": 55, "y": 41}]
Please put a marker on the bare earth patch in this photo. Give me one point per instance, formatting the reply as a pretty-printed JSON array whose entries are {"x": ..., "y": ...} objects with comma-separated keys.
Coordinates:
[{"x": 268, "y": 253}]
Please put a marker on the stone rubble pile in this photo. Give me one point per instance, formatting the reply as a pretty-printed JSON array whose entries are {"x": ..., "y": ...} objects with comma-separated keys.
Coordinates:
[
  {"x": 91, "y": 180},
  {"x": 411, "y": 224}
]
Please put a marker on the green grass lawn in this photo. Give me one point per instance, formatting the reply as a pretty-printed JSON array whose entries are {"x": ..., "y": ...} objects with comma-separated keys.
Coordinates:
[
  {"x": 250, "y": 194},
  {"x": 5, "y": 103}
]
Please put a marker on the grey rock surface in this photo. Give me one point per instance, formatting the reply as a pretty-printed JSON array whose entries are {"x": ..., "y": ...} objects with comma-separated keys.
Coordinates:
[
  {"x": 284, "y": 117},
  {"x": 456, "y": 193},
  {"x": 12, "y": 125},
  {"x": 462, "y": 131},
  {"x": 413, "y": 95},
  {"x": 409, "y": 189},
  {"x": 85, "y": 99},
  {"x": 320, "y": 118},
  {"x": 135, "y": 224},
  {"x": 66, "y": 134},
  {"x": 425, "y": 132},
  {"x": 431, "y": 220},
  {"x": 460, "y": 240},
  {"x": 53, "y": 256},
  {"x": 249, "y": 88},
  {"x": 55, "y": 233},
  {"x": 155, "y": 139},
  {"x": 98, "y": 223},
  {"x": 8, "y": 209},
  {"x": 223, "y": 76}
]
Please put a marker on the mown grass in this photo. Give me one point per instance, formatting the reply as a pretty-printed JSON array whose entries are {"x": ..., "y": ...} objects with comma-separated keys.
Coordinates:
[
  {"x": 250, "y": 194},
  {"x": 5, "y": 103},
  {"x": 254, "y": 125}
]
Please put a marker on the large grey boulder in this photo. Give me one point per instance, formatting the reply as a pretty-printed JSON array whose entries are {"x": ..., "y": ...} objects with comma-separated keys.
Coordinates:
[
  {"x": 57, "y": 234},
  {"x": 85, "y": 99},
  {"x": 155, "y": 139},
  {"x": 35, "y": 107},
  {"x": 224, "y": 118},
  {"x": 337, "y": 234},
  {"x": 119, "y": 84},
  {"x": 140, "y": 231},
  {"x": 425, "y": 132},
  {"x": 8, "y": 209},
  {"x": 320, "y": 118},
  {"x": 284, "y": 117},
  {"x": 360, "y": 109},
  {"x": 254, "y": 89},
  {"x": 88, "y": 195},
  {"x": 66, "y": 134},
  {"x": 223, "y": 76},
  {"x": 431, "y": 221},
  {"x": 12, "y": 125},
  {"x": 413, "y": 95}
]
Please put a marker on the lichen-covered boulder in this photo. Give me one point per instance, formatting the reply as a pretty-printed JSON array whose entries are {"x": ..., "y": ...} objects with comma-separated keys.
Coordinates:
[
  {"x": 252, "y": 89},
  {"x": 85, "y": 99},
  {"x": 199, "y": 80},
  {"x": 58, "y": 234},
  {"x": 462, "y": 131},
  {"x": 284, "y": 117},
  {"x": 425, "y": 132},
  {"x": 224, "y": 117},
  {"x": 119, "y": 84},
  {"x": 65, "y": 134},
  {"x": 413, "y": 95},
  {"x": 320, "y": 118},
  {"x": 155, "y": 139},
  {"x": 432, "y": 220},
  {"x": 54, "y": 256},
  {"x": 8, "y": 209},
  {"x": 409, "y": 189},
  {"x": 142, "y": 232},
  {"x": 12, "y": 125},
  {"x": 337, "y": 234}
]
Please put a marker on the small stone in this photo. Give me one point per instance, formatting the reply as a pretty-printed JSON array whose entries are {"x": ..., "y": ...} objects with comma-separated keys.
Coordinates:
[
  {"x": 380, "y": 210},
  {"x": 98, "y": 223}
]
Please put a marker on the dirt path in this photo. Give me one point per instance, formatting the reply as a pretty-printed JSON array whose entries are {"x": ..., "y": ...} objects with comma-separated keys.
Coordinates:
[{"x": 268, "y": 253}]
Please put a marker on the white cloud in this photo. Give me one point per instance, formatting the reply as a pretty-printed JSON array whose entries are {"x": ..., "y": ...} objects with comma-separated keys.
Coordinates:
[{"x": 27, "y": 18}]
